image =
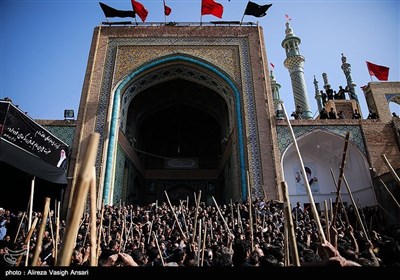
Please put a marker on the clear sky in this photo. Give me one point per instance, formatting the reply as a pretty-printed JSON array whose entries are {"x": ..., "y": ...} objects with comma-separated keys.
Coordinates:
[{"x": 44, "y": 44}]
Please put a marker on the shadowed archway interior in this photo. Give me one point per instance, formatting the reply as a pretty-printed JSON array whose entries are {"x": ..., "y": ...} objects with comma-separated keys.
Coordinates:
[{"x": 178, "y": 129}]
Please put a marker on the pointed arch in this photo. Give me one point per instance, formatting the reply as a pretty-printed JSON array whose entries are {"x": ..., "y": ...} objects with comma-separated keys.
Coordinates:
[
  {"x": 321, "y": 151},
  {"x": 115, "y": 112}
]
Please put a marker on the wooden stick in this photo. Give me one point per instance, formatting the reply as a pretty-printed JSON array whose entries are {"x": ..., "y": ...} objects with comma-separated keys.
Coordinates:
[
  {"x": 100, "y": 232},
  {"x": 391, "y": 195},
  {"x": 30, "y": 216},
  {"x": 57, "y": 235},
  {"x": 211, "y": 230},
  {"x": 387, "y": 213},
  {"x": 93, "y": 220},
  {"x": 222, "y": 217},
  {"x": 19, "y": 227},
  {"x": 52, "y": 233},
  {"x": 176, "y": 218},
  {"x": 131, "y": 214},
  {"x": 42, "y": 228},
  {"x": 250, "y": 211},
  {"x": 305, "y": 179},
  {"x": 184, "y": 223},
  {"x": 151, "y": 228},
  {"x": 328, "y": 236},
  {"x": 199, "y": 245},
  {"x": 340, "y": 200},
  {"x": 290, "y": 227},
  {"x": 331, "y": 212},
  {"x": 286, "y": 250},
  {"x": 341, "y": 173},
  {"x": 109, "y": 225},
  {"x": 78, "y": 201},
  {"x": 86, "y": 234},
  {"x": 204, "y": 243},
  {"x": 159, "y": 250},
  {"x": 232, "y": 215},
  {"x": 196, "y": 214},
  {"x": 240, "y": 220},
  {"x": 27, "y": 238},
  {"x": 356, "y": 209},
  {"x": 392, "y": 171},
  {"x": 122, "y": 234}
]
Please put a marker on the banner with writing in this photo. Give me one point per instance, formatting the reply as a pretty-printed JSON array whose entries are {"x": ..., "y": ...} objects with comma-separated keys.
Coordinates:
[{"x": 20, "y": 130}]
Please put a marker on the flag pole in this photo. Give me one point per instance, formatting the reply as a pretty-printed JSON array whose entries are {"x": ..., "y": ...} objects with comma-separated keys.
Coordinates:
[
  {"x": 241, "y": 21},
  {"x": 244, "y": 13},
  {"x": 201, "y": 13},
  {"x": 165, "y": 16}
]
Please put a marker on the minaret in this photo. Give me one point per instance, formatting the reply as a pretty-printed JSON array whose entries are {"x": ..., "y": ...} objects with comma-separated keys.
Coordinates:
[
  {"x": 275, "y": 95},
  {"x": 318, "y": 95},
  {"x": 294, "y": 63},
  {"x": 326, "y": 82},
  {"x": 346, "y": 67}
]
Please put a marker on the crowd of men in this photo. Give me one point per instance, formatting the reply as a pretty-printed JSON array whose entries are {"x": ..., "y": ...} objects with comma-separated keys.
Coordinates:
[{"x": 196, "y": 234}]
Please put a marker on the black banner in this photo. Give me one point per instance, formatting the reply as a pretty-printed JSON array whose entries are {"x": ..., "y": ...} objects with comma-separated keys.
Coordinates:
[{"x": 19, "y": 129}]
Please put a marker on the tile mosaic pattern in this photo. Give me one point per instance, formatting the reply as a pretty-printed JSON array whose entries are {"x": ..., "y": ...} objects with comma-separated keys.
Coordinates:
[
  {"x": 65, "y": 133},
  {"x": 205, "y": 49},
  {"x": 284, "y": 138},
  {"x": 119, "y": 175}
]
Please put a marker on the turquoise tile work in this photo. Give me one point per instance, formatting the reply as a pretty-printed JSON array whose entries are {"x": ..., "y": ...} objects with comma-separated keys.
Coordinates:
[
  {"x": 201, "y": 50},
  {"x": 119, "y": 175},
  {"x": 64, "y": 133},
  {"x": 356, "y": 138}
]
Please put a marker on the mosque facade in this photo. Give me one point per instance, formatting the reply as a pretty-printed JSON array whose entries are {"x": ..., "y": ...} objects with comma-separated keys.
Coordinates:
[{"x": 189, "y": 109}]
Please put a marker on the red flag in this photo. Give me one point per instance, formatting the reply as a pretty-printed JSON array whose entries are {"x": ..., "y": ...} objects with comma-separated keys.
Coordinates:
[
  {"x": 167, "y": 10},
  {"x": 140, "y": 10},
  {"x": 287, "y": 17},
  {"x": 209, "y": 7},
  {"x": 272, "y": 65},
  {"x": 380, "y": 72}
]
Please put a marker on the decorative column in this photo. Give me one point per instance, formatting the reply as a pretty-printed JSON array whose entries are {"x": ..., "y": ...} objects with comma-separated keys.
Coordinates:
[
  {"x": 276, "y": 97},
  {"x": 346, "y": 67},
  {"x": 294, "y": 62},
  {"x": 318, "y": 95}
]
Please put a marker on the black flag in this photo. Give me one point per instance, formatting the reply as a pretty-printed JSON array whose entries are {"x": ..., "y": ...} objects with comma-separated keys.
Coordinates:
[
  {"x": 253, "y": 9},
  {"x": 111, "y": 12}
]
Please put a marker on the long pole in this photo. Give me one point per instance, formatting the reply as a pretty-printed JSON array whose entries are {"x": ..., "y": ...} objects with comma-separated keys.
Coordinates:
[
  {"x": 306, "y": 183},
  {"x": 19, "y": 227},
  {"x": 290, "y": 228},
  {"x": 57, "y": 235},
  {"x": 42, "y": 228},
  {"x": 30, "y": 217},
  {"x": 356, "y": 209},
  {"x": 327, "y": 220},
  {"x": 93, "y": 219},
  {"x": 392, "y": 196},
  {"x": 176, "y": 218},
  {"x": 340, "y": 200},
  {"x": 396, "y": 177},
  {"x": 341, "y": 172},
  {"x": 159, "y": 250},
  {"x": 101, "y": 231},
  {"x": 199, "y": 245},
  {"x": 80, "y": 195},
  {"x": 222, "y": 216},
  {"x": 196, "y": 214},
  {"x": 250, "y": 211},
  {"x": 27, "y": 238},
  {"x": 204, "y": 243}
]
